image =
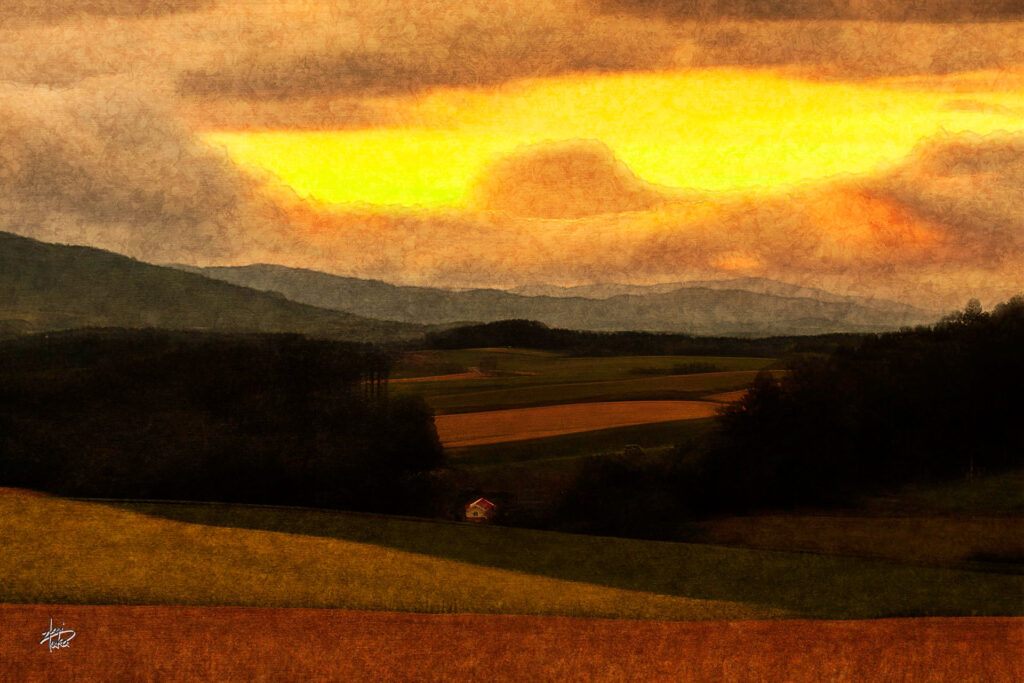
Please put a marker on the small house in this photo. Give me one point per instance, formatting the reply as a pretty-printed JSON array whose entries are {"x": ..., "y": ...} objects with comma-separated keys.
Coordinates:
[{"x": 480, "y": 510}]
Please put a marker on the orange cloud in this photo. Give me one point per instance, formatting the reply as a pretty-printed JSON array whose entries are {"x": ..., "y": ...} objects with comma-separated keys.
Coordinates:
[
  {"x": 877, "y": 236},
  {"x": 568, "y": 179},
  {"x": 735, "y": 262},
  {"x": 326, "y": 57}
]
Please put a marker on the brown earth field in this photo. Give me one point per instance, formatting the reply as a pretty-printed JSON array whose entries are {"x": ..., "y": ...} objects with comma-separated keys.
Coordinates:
[
  {"x": 472, "y": 374},
  {"x": 499, "y": 426},
  {"x": 727, "y": 396},
  {"x": 149, "y": 643}
]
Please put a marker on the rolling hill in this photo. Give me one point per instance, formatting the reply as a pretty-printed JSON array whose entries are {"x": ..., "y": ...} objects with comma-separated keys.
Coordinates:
[
  {"x": 216, "y": 554},
  {"x": 759, "y": 285},
  {"x": 46, "y": 287},
  {"x": 751, "y": 307}
]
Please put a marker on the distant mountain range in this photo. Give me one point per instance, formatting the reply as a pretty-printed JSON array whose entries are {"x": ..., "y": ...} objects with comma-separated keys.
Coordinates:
[
  {"x": 52, "y": 287},
  {"x": 743, "y": 307},
  {"x": 746, "y": 284},
  {"x": 47, "y": 287}
]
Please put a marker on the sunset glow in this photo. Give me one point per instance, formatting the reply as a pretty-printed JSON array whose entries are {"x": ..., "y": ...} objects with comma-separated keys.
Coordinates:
[{"x": 713, "y": 130}]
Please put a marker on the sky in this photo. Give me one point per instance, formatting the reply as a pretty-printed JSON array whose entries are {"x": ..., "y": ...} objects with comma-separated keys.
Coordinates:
[{"x": 870, "y": 147}]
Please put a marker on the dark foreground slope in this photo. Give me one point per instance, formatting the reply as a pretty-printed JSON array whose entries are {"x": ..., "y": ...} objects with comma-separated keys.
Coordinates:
[{"x": 52, "y": 287}]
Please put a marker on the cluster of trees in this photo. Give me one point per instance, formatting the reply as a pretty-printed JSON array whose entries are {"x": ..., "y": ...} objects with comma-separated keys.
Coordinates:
[
  {"x": 245, "y": 418},
  {"x": 929, "y": 404},
  {"x": 529, "y": 334}
]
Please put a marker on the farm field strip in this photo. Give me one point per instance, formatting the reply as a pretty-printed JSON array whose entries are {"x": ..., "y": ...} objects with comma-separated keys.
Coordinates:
[
  {"x": 994, "y": 542},
  {"x": 218, "y": 554},
  {"x": 726, "y": 396},
  {"x": 547, "y": 366},
  {"x": 996, "y": 494},
  {"x": 472, "y": 429},
  {"x": 458, "y": 396},
  {"x": 454, "y": 376},
  {"x": 102, "y": 554},
  {"x": 238, "y": 643},
  {"x": 566, "y": 447}
]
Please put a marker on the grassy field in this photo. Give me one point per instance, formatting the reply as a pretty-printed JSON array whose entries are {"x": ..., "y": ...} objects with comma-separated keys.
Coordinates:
[
  {"x": 59, "y": 551},
  {"x": 500, "y": 426},
  {"x": 995, "y": 543},
  {"x": 518, "y": 378},
  {"x": 1000, "y": 494},
  {"x": 549, "y": 367},
  {"x": 975, "y": 523},
  {"x": 650, "y": 437},
  {"x": 540, "y": 470},
  {"x": 232, "y": 643},
  {"x": 479, "y": 395}
]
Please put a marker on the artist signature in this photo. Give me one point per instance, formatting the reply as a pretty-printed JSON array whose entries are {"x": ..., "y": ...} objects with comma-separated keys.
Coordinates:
[{"x": 57, "y": 638}]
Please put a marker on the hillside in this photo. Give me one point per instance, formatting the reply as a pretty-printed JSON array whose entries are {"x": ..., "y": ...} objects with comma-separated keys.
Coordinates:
[
  {"x": 53, "y": 287},
  {"x": 751, "y": 309},
  {"x": 223, "y": 555},
  {"x": 758, "y": 285}
]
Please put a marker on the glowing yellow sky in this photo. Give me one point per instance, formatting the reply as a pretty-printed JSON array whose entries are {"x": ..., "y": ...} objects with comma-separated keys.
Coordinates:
[{"x": 708, "y": 130}]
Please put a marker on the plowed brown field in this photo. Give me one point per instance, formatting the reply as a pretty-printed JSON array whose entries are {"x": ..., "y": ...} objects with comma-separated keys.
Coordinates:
[
  {"x": 253, "y": 644},
  {"x": 454, "y": 376},
  {"x": 727, "y": 396},
  {"x": 498, "y": 426}
]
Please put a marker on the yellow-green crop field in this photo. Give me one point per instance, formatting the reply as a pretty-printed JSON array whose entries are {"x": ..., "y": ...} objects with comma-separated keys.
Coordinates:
[{"x": 65, "y": 551}]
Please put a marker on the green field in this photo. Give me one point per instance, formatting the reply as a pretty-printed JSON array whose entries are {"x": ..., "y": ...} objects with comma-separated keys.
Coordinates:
[
  {"x": 650, "y": 437},
  {"x": 550, "y": 367},
  {"x": 460, "y": 396},
  {"x": 973, "y": 523},
  {"x": 518, "y": 378},
  {"x": 1000, "y": 494},
  {"x": 538, "y": 469},
  {"x": 988, "y": 543},
  {"x": 59, "y": 551}
]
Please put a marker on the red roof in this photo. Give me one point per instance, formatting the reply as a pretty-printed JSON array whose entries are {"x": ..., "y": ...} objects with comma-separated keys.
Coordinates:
[{"x": 482, "y": 502}]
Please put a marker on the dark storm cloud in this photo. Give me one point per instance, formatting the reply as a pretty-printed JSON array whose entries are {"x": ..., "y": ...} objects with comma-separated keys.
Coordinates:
[
  {"x": 56, "y": 10},
  {"x": 238, "y": 52},
  {"x": 401, "y": 47},
  {"x": 861, "y": 49},
  {"x": 102, "y": 166},
  {"x": 877, "y": 10},
  {"x": 408, "y": 46}
]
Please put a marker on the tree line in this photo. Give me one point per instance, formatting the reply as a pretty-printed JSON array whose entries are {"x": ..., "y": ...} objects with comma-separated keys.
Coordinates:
[
  {"x": 924, "y": 405},
  {"x": 530, "y": 334},
  {"x": 191, "y": 416}
]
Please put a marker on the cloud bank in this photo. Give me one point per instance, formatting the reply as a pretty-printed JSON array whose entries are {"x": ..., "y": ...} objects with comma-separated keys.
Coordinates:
[
  {"x": 946, "y": 224},
  {"x": 56, "y": 10},
  {"x": 878, "y": 10},
  {"x": 568, "y": 179},
  {"x": 96, "y": 146},
  {"x": 400, "y": 47},
  {"x": 99, "y": 165}
]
